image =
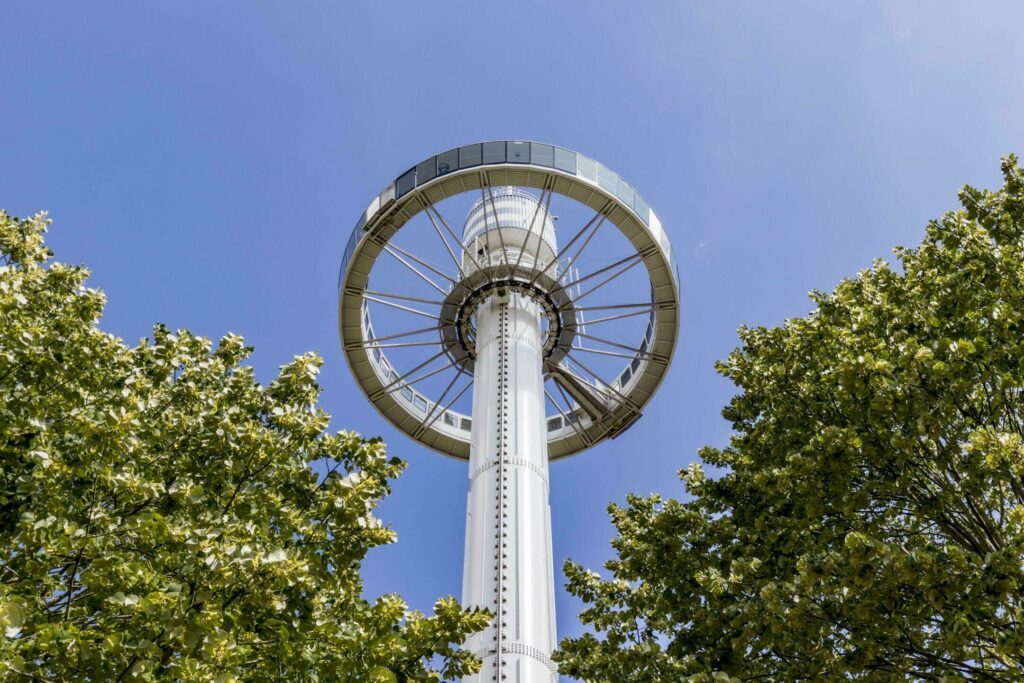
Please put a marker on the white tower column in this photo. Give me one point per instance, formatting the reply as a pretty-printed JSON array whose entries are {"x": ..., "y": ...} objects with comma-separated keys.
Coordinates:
[{"x": 508, "y": 565}]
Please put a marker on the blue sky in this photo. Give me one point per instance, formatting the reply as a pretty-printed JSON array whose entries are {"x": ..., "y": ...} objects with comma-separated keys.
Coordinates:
[{"x": 208, "y": 160}]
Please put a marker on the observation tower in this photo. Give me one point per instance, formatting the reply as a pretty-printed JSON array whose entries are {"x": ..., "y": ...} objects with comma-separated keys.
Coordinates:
[{"x": 563, "y": 334}]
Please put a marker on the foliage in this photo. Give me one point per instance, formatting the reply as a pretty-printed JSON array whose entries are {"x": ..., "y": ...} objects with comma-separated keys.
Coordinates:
[
  {"x": 159, "y": 518},
  {"x": 870, "y": 523}
]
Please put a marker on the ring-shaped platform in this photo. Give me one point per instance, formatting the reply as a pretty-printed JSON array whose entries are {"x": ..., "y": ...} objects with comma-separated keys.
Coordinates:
[{"x": 492, "y": 164}]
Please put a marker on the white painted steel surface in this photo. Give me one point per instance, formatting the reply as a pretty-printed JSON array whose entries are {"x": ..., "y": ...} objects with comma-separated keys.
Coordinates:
[
  {"x": 508, "y": 566},
  {"x": 508, "y": 283},
  {"x": 472, "y": 169}
]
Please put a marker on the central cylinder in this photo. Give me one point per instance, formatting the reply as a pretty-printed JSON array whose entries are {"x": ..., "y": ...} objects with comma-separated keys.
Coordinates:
[{"x": 508, "y": 565}]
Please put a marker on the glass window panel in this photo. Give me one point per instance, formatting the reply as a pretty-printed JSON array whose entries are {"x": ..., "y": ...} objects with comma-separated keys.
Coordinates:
[
  {"x": 450, "y": 420},
  {"x": 635, "y": 364},
  {"x": 426, "y": 171},
  {"x": 542, "y": 155},
  {"x": 587, "y": 168},
  {"x": 447, "y": 162},
  {"x": 625, "y": 193},
  {"x": 625, "y": 377},
  {"x": 469, "y": 156},
  {"x": 519, "y": 152},
  {"x": 565, "y": 160},
  {"x": 466, "y": 424},
  {"x": 494, "y": 153},
  {"x": 606, "y": 178},
  {"x": 554, "y": 423},
  {"x": 405, "y": 182},
  {"x": 420, "y": 403},
  {"x": 407, "y": 393},
  {"x": 641, "y": 208}
]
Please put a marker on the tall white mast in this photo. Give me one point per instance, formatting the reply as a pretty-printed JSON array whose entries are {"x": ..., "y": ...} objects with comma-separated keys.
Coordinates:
[
  {"x": 499, "y": 310},
  {"x": 508, "y": 566}
]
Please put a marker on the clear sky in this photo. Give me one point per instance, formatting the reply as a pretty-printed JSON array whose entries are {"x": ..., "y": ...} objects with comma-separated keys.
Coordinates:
[{"x": 208, "y": 161}]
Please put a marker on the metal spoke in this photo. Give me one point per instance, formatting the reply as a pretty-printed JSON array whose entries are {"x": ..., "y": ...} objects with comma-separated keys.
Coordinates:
[
  {"x": 565, "y": 417},
  {"x": 437, "y": 403},
  {"x": 576, "y": 256},
  {"x": 613, "y": 307},
  {"x": 423, "y": 263},
  {"x": 427, "y": 375},
  {"x": 611, "y": 343},
  {"x": 401, "y": 345},
  {"x": 609, "y": 353},
  {"x": 450, "y": 404},
  {"x": 604, "y": 384},
  {"x": 444, "y": 240},
  {"x": 468, "y": 252},
  {"x": 620, "y": 316},
  {"x": 415, "y": 270},
  {"x": 609, "y": 279},
  {"x": 387, "y": 389},
  {"x": 568, "y": 246},
  {"x": 611, "y": 266},
  {"x": 568, "y": 404},
  {"x": 427, "y": 425},
  {"x": 529, "y": 231},
  {"x": 435, "y": 328},
  {"x": 403, "y": 297},
  {"x": 392, "y": 304}
]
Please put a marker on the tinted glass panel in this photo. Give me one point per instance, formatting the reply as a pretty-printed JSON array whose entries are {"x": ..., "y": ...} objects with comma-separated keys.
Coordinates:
[
  {"x": 565, "y": 160},
  {"x": 465, "y": 424},
  {"x": 641, "y": 208},
  {"x": 587, "y": 168},
  {"x": 607, "y": 179},
  {"x": 426, "y": 171},
  {"x": 420, "y": 403},
  {"x": 542, "y": 155},
  {"x": 469, "y": 156},
  {"x": 519, "y": 152},
  {"x": 625, "y": 377},
  {"x": 625, "y": 193},
  {"x": 405, "y": 182},
  {"x": 407, "y": 392},
  {"x": 635, "y": 364},
  {"x": 554, "y": 423},
  {"x": 449, "y": 161},
  {"x": 494, "y": 152}
]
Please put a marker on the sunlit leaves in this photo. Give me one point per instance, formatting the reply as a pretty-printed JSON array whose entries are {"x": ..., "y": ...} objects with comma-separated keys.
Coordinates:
[
  {"x": 159, "y": 517},
  {"x": 869, "y": 521}
]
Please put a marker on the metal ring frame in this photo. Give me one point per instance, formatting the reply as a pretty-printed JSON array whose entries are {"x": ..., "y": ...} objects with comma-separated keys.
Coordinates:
[{"x": 524, "y": 164}]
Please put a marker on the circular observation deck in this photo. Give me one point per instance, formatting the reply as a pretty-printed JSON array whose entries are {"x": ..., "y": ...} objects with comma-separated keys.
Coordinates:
[{"x": 598, "y": 385}]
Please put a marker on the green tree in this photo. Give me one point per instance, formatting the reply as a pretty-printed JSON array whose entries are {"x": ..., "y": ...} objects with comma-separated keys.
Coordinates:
[
  {"x": 159, "y": 517},
  {"x": 869, "y": 523}
]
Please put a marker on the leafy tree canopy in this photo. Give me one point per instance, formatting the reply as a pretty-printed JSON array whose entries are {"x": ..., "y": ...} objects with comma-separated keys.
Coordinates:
[
  {"x": 870, "y": 521},
  {"x": 159, "y": 518}
]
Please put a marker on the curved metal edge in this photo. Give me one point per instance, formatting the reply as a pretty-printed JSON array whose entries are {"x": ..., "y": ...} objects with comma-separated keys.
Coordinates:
[{"x": 585, "y": 169}]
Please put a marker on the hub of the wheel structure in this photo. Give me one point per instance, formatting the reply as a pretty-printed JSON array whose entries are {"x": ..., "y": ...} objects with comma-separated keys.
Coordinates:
[{"x": 457, "y": 324}]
